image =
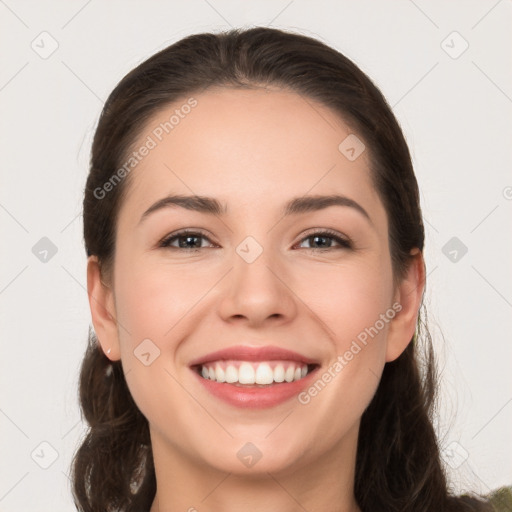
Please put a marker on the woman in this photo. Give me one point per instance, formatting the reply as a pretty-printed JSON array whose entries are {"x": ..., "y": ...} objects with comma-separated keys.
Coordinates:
[{"x": 255, "y": 275}]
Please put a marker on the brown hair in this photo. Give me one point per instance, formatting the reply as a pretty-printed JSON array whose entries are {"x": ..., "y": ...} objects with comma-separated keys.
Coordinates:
[{"x": 398, "y": 465}]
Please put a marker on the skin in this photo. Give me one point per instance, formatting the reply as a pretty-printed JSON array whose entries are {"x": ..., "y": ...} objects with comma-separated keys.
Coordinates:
[{"x": 252, "y": 150}]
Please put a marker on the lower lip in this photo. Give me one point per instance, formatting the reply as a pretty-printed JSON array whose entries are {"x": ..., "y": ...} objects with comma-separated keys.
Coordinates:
[{"x": 256, "y": 397}]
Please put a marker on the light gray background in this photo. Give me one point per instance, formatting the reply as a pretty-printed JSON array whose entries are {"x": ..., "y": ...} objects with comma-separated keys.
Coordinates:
[{"x": 455, "y": 112}]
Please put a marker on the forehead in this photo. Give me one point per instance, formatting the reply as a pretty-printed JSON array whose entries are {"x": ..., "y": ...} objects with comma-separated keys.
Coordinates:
[{"x": 247, "y": 146}]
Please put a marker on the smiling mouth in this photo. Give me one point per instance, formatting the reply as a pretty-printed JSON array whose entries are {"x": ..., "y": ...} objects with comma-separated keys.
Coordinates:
[{"x": 254, "y": 374}]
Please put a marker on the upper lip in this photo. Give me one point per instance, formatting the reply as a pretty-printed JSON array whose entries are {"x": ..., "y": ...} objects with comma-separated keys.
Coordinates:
[{"x": 251, "y": 353}]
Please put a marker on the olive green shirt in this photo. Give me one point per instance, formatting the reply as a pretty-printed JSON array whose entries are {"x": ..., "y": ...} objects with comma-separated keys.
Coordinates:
[{"x": 501, "y": 499}]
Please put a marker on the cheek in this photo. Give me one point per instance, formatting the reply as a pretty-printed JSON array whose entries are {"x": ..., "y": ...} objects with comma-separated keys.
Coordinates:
[
  {"x": 151, "y": 299},
  {"x": 153, "y": 306},
  {"x": 354, "y": 304},
  {"x": 157, "y": 306},
  {"x": 349, "y": 298}
]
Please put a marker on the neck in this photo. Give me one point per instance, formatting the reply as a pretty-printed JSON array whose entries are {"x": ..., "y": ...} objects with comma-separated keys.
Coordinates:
[{"x": 327, "y": 483}]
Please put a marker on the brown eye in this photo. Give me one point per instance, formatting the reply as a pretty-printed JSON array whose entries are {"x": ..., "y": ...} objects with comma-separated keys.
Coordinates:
[
  {"x": 324, "y": 240},
  {"x": 187, "y": 240}
]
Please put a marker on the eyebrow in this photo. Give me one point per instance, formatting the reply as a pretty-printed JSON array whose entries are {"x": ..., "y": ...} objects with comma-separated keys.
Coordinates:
[
  {"x": 199, "y": 204},
  {"x": 295, "y": 206}
]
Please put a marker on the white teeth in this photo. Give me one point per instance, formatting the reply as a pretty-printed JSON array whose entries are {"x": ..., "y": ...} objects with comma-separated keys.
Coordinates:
[
  {"x": 231, "y": 374},
  {"x": 279, "y": 373},
  {"x": 246, "y": 374},
  {"x": 289, "y": 374},
  {"x": 220, "y": 375},
  {"x": 249, "y": 373},
  {"x": 264, "y": 374}
]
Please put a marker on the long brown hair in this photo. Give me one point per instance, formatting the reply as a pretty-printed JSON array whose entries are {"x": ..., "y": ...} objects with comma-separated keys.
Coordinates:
[{"x": 398, "y": 466}]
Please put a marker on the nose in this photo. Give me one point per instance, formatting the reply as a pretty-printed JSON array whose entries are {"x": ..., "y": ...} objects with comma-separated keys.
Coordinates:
[{"x": 257, "y": 293}]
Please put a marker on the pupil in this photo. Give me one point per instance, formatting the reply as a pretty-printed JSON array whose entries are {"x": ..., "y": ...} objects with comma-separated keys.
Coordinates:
[
  {"x": 316, "y": 238},
  {"x": 187, "y": 240}
]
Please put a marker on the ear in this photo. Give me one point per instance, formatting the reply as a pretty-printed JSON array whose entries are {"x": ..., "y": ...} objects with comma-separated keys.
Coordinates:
[
  {"x": 101, "y": 303},
  {"x": 408, "y": 294}
]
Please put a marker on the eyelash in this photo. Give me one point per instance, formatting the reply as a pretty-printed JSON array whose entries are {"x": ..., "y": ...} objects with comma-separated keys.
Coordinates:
[{"x": 344, "y": 243}]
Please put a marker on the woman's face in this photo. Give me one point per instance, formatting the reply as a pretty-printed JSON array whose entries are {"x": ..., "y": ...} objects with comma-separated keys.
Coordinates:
[{"x": 258, "y": 292}]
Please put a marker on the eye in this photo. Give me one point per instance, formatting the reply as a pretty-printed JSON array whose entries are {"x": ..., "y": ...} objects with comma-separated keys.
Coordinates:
[
  {"x": 192, "y": 240},
  {"x": 186, "y": 239},
  {"x": 324, "y": 240}
]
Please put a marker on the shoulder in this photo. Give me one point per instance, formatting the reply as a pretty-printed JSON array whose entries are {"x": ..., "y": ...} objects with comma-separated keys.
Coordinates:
[{"x": 501, "y": 499}]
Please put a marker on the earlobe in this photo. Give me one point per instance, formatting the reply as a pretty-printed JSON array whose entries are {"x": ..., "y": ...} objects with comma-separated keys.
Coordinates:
[
  {"x": 101, "y": 303},
  {"x": 409, "y": 296}
]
